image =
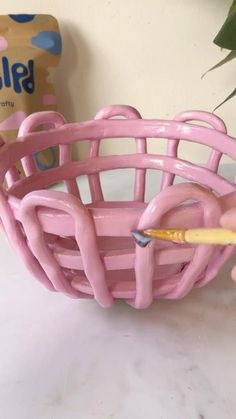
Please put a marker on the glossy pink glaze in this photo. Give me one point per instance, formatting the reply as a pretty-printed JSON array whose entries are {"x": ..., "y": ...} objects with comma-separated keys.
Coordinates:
[{"x": 86, "y": 251}]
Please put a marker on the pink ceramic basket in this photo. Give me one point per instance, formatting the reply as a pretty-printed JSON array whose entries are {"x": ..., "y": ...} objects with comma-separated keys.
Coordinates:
[{"x": 86, "y": 251}]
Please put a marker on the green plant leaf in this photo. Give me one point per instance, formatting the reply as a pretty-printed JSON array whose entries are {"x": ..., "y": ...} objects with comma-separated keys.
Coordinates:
[
  {"x": 226, "y": 100},
  {"x": 226, "y": 37},
  {"x": 232, "y": 7},
  {"x": 225, "y": 60}
]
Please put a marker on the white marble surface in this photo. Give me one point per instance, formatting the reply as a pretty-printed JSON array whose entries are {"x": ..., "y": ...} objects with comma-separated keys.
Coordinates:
[{"x": 67, "y": 359}]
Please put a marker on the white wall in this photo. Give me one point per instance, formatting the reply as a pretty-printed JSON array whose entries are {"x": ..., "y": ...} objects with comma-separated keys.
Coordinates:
[{"x": 146, "y": 53}]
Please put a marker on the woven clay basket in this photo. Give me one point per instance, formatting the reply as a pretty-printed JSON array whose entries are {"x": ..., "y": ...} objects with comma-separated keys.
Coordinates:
[{"x": 86, "y": 250}]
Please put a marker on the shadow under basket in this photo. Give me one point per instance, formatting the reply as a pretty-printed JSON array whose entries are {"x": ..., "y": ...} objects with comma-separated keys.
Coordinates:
[{"x": 86, "y": 250}]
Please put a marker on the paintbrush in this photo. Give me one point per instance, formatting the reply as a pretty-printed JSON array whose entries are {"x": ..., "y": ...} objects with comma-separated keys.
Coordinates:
[{"x": 213, "y": 236}]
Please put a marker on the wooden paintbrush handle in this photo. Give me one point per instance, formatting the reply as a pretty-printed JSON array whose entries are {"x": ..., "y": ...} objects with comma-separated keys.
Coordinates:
[
  {"x": 196, "y": 236},
  {"x": 210, "y": 236}
]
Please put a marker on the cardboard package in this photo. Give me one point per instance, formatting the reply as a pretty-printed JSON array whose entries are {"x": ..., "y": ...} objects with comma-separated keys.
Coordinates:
[{"x": 30, "y": 50}]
